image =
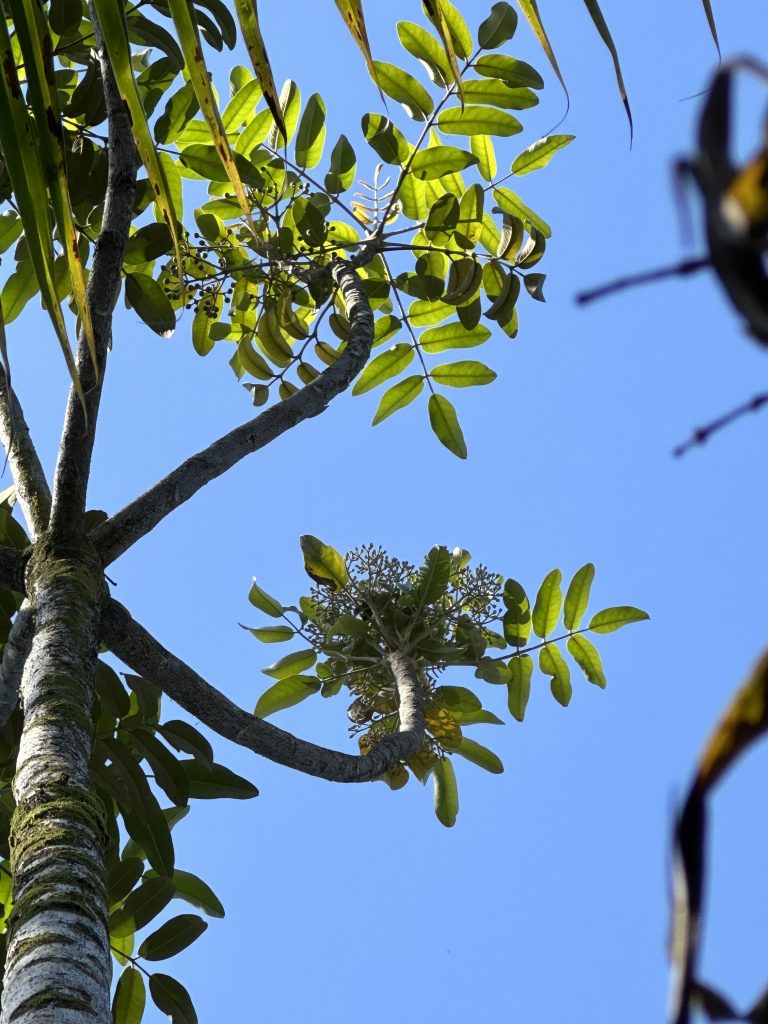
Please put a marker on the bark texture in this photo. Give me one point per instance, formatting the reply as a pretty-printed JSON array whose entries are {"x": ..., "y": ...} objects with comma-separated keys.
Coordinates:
[
  {"x": 58, "y": 964},
  {"x": 74, "y": 462},
  {"x": 140, "y": 651},
  {"x": 122, "y": 530}
]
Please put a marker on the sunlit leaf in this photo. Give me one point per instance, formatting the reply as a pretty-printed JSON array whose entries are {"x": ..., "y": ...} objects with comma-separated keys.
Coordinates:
[
  {"x": 323, "y": 563},
  {"x": 546, "y": 608},
  {"x": 577, "y": 597},
  {"x": 519, "y": 685},
  {"x": 480, "y": 755},
  {"x": 285, "y": 694},
  {"x": 614, "y": 618},
  {"x": 552, "y": 663},
  {"x": 584, "y": 653},
  {"x": 446, "y": 792},
  {"x": 539, "y": 153},
  {"x": 445, "y": 424}
]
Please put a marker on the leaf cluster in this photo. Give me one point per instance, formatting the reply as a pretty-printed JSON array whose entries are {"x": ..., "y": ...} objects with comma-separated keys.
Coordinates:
[{"x": 443, "y": 615}]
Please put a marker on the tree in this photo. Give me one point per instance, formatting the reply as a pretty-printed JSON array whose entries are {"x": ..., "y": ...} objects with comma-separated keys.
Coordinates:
[{"x": 277, "y": 253}]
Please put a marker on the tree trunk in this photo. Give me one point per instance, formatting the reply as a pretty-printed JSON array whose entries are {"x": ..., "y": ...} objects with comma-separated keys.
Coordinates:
[{"x": 58, "y": 963}]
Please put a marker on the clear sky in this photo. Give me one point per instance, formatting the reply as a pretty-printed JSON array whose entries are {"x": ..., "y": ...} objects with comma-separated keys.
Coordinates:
[{"x": 548, "y": 900}]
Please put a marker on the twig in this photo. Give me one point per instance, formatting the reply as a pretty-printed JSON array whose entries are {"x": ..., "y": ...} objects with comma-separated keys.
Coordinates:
[
  {"x": 702, "y": 434},
  {"x": 646, "y": 277}
]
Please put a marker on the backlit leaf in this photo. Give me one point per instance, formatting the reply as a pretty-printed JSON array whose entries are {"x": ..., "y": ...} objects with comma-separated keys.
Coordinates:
[
  {"x": 446, "y": 792},
  {"x": 539, "y": 153},
  {"x": 383, "y": 367},
  {"x": 398, "y": 396},
  {"x": 546, "y": 608},
  {"x": 130, "y": 997},
  {"x": 285, "y": 694},
  {"x": 584, "y": 653},
  {"x": 323, "y": 563},
  {"x": 552, "y": 663},
  {"x": 480, "y": 755},
  {"x": 519, "y": 685},
  {"x": 614, "y": 618},
  {"x": 577, "y": 597},
  {"x": 445, "y": 424}
]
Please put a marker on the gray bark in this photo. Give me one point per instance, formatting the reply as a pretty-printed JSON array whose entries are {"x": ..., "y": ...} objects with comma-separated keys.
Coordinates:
[
  {"x": 32, "y": 489},
  {"x": 122, "y": 530},
  {"x": 15, "y": 654},
  {"x": 74, "y": 462},
  {"x": 140, "y": 651},
  {"x": 58, "y": 963}
]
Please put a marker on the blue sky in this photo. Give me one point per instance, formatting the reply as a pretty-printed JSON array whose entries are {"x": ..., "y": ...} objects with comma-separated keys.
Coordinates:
[{"x": 548, "y": 900}]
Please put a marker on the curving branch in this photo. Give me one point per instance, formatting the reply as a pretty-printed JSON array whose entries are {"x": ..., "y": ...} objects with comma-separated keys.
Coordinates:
[
  {"x": 74, "y": 462},
  {"x": 140, "y": 651},
  {"x": 113, "y": 537},
  {"x": 15, "y": 654},
  {"x": 32, "y": 490}
]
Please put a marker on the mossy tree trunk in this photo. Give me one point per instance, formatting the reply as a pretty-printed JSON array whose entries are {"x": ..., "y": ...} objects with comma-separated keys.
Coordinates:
[{"x": 58, "y": 961}]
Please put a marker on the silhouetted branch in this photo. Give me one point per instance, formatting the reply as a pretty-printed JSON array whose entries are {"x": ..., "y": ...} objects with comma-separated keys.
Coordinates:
[
  {"x": 645, "y": 277},
  {"x": 702, "y": 434}
]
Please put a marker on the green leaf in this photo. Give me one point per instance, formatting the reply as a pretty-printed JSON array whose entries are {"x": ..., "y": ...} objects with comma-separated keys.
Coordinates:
[
  {"x": 465, "y": 374},
  {"x": 151, "y": 303},
  {"x": 519, "y": 685},
  {"x": 310, "y": 138},
  {"x": 398, "y": 396},
  {"x": 169, "y": 996},
  {"x": 446, "y": 793},
  {"x": 482, "y": 148},
  {"x": 516, "y": 72},
  {"x": 424, "y": 47},
  {"x": 498, "y": 28},
  {"x": 248, "y": 16},
  {"x": 323, "y": 563},
  {"x": 534, "y": 285},
  {"x": 165, "y": 768},
  {"x": 260, "y": 599},
  {"x": 141, "y": 906},
  {"x": 173, "y": 936},
  {"x": 271, "y": 634},
  {"x": 584, "y": 653},
  {"x": 385, "y": 138},
  {"x": 457, "y": 698},
  {"x": 577, "y": 597},
  {"x": 197, "y": 892},
  {"x": 539, "y": 153},
  {"x": 469, "y": 226},
  {"x": 291, "y": 665},
  {"x": 438, "y": 161},
  {"x": 479, "y": 755},
  {"x": 10, "y": 229},
  {"x": 285, "y": 694},
  {"x": 204, "y": 160},
  {"x": 432, "y": 580},
  {"x": 343, "y": 166},
  {"x": 552, "y": 663},
  {"x": 404, "y": 88},
  {"x": 445, "y": 424},
  {"x": 477, "y": 120},
  {"x": 186, "y": 738},
  {"x": 512, "y": 204},
  {"x": 383, "y": 367},
  {"x": 600, "y": 24},
  {"x": 481, "y": 717},
  {"x": 130, "y": 997},
  {"x": 123, "y": 875},
  {"x": 214, "y": 781},
  {"x": 460, "y": 35},
  {"x": 456, "y": 335},
  {"x": 611, "y": 619},
  {"x": 495, "y": 92},
  {"x": 242, "y": 107},
  {"x": 546, "y": 607}
]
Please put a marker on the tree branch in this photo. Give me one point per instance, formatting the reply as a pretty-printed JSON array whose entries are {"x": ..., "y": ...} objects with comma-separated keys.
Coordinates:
[
  {"x": 32, "y": 488},
  {"x": 15, "y": 654},
  {"x": 74, "y": 462},
  {"x": 144, "y": 654},
  {"x": 122, "y": 530}
]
